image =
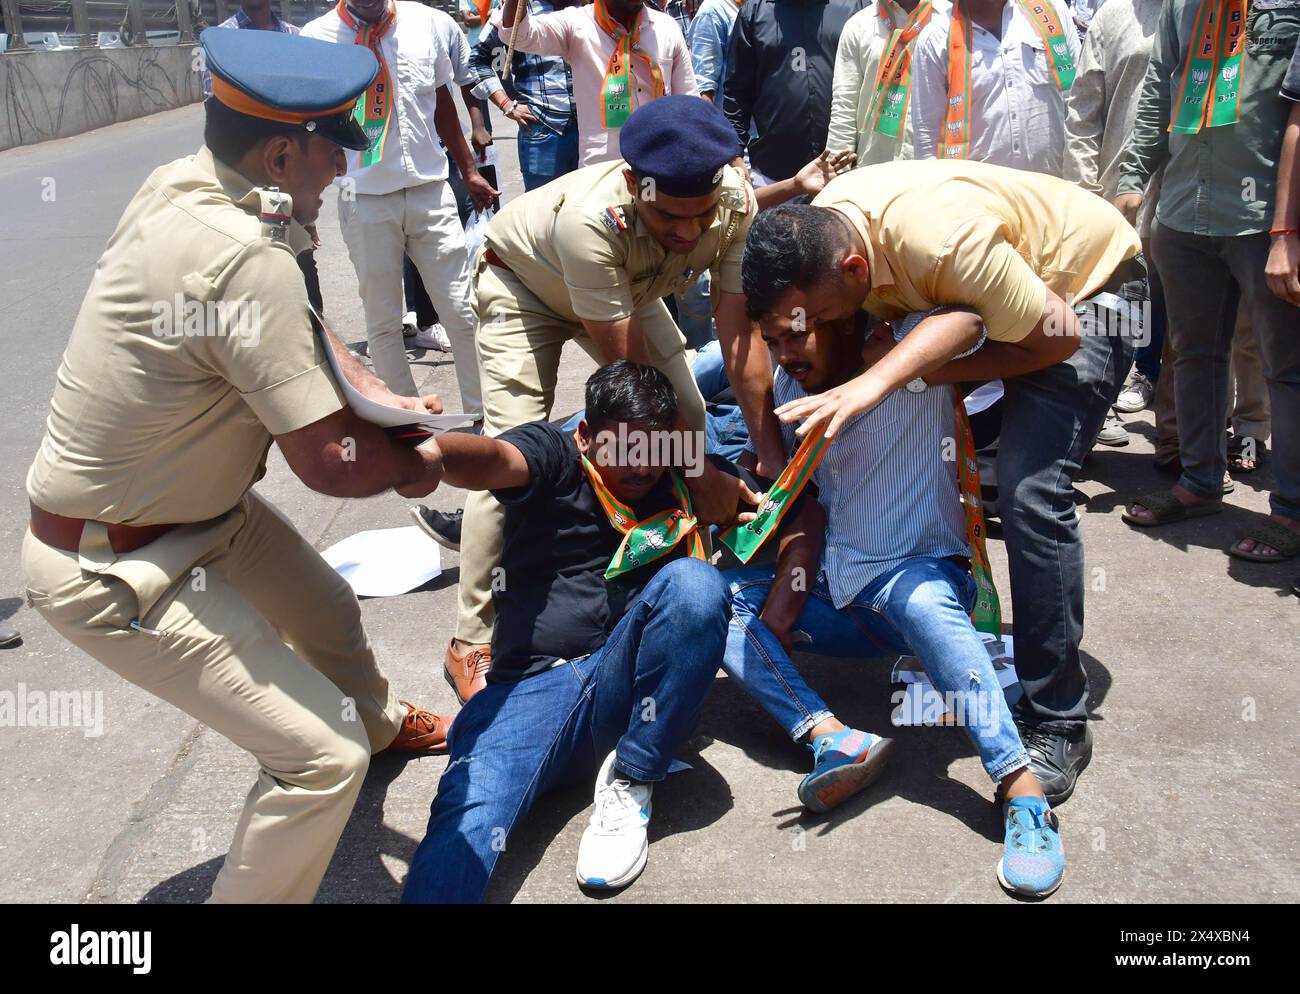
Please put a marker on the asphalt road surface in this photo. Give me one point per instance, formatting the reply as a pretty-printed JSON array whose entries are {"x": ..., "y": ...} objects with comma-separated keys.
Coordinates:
[{"x": 1192, "y": 794}]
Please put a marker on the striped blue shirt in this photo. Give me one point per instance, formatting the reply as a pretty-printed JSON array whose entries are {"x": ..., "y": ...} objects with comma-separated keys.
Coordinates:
[
  {"x": 889, "y": 486},
  {"x": 543, "y": 82}
]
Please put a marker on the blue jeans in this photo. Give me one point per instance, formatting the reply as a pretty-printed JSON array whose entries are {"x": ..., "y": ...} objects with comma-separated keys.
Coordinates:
[
  {"x": 639, "y": 694},
  {"x": 725, "y": 432},
  {"x": 695, "y": 312},
  {"x": 545, "y": 155},
  {"x": 1050, "y": 419},
  {"x": 921, "y": 606}
]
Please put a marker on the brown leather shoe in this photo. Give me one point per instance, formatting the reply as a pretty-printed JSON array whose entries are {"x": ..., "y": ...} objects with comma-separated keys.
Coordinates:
[
  {"x": 467, "y": 671},
  {"x": 422, "y": 732}
]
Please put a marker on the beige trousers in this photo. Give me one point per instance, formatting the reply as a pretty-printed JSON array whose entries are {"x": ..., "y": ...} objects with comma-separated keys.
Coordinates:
[
  {"x": 420, "y": 221},
  {"x": 311, "y": 711},
  {"x": 520, "y": 342}
]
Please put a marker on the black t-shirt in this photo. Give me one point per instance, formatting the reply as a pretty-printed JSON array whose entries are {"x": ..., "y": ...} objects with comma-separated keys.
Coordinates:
[{"x": 552, "y": 599}]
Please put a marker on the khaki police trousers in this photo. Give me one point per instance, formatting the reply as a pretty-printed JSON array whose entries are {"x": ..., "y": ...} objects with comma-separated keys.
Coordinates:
[
  {"x": 520, "y": 340},
  {"x": 311, "y": 711}
]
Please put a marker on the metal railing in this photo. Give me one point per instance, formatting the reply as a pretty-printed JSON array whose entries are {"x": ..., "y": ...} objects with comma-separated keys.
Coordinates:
[{"x": 55, "y": 24}]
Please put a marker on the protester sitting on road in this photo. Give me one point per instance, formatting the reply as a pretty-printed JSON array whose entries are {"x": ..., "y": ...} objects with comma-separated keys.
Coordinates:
[
  {"x": 610, "y": 626},
  {"x": 896, "y": 572}
]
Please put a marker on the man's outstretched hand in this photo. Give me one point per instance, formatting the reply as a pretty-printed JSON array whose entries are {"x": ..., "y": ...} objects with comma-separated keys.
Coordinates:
[{"x": 832, "y": 408}]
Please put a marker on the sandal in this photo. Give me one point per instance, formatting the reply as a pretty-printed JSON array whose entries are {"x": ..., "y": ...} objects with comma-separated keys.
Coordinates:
[
  {"x": 1165, "y": 509},
  {"x": 1237, "y": 456},
  {"x": 1270, "y": 533}
]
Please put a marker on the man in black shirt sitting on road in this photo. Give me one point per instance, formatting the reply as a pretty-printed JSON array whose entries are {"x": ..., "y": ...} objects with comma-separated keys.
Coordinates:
[{"x": 610, "y": 627}]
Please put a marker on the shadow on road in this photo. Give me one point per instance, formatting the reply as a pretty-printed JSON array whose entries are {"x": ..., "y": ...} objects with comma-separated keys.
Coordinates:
[{"x": 356, "y": 875}]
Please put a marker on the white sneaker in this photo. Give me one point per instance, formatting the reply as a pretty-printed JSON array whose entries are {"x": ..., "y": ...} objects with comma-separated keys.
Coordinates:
[
  {"x": 614, "y": 847},
  {"x": 409, "y": 325},
  {"x": 1113, "y": 432},
  {"x": 432, "y": 337},
  {"x": 1136, "y": 395}
]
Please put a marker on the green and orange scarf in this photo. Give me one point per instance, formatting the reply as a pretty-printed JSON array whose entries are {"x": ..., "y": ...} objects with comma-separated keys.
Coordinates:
[
  {"x": 616, "y": 90},
  {"x": 745, "y": 540},
  {"x": 893, "y": 85},
  {"x": 374, "y": 108},
  {"x": 656, "y": 536},
  {"x": 1042, "y": 15},
  {"x": 1209, "y": 93}
]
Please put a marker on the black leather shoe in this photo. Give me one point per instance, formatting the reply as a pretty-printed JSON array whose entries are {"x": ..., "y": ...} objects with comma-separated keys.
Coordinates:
[
  {"x": 442, "y": 527},
  {"x": 9, "y": 637},
  {"x": 1056, "y": 759}
]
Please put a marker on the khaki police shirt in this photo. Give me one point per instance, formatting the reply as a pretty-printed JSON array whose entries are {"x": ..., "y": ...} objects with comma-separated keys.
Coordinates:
[
  {"x": 166, "y": 400},
  {"x": 943, "y": 232},
  {"x": 578, "y": 244}
]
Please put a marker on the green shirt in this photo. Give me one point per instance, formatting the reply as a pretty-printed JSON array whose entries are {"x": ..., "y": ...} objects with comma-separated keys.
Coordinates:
[{"x": 1222, "y": 180}]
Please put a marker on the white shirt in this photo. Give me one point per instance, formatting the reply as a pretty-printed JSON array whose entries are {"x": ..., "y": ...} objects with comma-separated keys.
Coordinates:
[
  {"x": 573, "y": 35},
  {"x": 1017, "y": 112},
  {"x": 424, "y": 50},
  {"x": 857, "y": 61}
]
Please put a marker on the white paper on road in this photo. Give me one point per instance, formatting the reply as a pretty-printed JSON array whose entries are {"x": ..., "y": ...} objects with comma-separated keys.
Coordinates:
[
  {"x": 385, "y": 562},
  {"x": 922, "y": 704},
  {"x": 382, "y": 414}
]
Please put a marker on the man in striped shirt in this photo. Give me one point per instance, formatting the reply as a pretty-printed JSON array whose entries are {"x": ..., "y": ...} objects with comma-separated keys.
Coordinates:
[{"x": 886, "y": 540}]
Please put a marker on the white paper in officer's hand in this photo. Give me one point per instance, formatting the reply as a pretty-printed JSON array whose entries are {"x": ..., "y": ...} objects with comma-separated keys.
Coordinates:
[
  {"x": 382, "y": 414},
  {"x": 385, "y": 562}
]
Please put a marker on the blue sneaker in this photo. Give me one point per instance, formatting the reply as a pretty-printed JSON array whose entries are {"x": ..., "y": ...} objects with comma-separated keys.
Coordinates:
[
  {"x": 843, "y": 763},
  {"x": 1033, "y": 859}
]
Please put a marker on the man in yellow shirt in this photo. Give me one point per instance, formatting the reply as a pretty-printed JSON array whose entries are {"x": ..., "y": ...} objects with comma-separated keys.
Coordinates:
[{"x": 1045, "y": 271}]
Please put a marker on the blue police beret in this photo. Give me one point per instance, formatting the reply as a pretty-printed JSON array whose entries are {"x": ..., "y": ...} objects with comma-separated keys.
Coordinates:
[
  {"x": 682, "y": 142},
  {"x": 291, "y": 79}
]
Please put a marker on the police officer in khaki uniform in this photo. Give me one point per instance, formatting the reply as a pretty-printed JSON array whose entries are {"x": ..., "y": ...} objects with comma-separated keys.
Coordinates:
[
  {"x": 192, "y": 351},
  {"x": 588, "y": 258}
]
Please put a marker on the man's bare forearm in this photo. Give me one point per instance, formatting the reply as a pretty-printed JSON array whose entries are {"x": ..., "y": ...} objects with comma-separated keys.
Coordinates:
[
  {"x": 344, "y": 456},
  {"x": 474, "y": 462},
  {"x": 360, "y": 377},
  {"x": 1286, "y": 211},
  {"x": 616, "y": 340},
  {"x": 799, "y": 554}
]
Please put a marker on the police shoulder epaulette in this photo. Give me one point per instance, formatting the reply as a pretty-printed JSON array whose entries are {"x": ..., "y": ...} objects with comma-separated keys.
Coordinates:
[
  {"x": 614, "y": 218},
  {"x": 736, "y": 200},
  {"x": 276, "y": 211}
]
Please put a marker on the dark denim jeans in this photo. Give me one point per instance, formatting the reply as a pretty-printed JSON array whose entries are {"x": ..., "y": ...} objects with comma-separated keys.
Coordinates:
[
  {"x": 1207, "y": 276},
  {"x": 1050, "y": 419},
  {"x": 545, "y": 155},
  {"x": 640, "y": 693}
]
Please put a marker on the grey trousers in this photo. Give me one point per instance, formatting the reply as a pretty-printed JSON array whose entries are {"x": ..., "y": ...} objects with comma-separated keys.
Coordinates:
[{"x": 1205, "y": 277}]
